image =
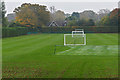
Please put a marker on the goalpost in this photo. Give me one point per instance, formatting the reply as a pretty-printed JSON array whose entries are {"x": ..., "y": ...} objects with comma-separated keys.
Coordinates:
[
  {"x": 79, "y": 29},
  {"x": 77, "y": 32},
  {"x": 77, "y": 39}
]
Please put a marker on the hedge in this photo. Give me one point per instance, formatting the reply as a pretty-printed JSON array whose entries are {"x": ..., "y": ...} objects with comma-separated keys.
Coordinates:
[
  {"x": 17, "y": 31},
  {"x": 86, "y": 29}
]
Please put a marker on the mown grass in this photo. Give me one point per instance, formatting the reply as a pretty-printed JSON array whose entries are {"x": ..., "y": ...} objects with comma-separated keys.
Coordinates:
[{"x": 32, "y": 56}]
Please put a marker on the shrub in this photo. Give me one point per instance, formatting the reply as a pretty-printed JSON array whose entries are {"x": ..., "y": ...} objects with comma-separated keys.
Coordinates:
[{"x": 16, "y": 31}]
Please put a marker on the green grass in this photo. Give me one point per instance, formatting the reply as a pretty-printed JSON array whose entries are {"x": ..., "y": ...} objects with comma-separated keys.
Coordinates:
[
  {"x": 76, "y": 39},
  {"x": 91, "y": 50},
  {"x": 32, "y": 56}
]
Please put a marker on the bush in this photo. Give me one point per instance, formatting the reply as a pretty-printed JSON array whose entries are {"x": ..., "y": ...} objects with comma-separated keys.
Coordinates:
[
  {"x": 87, "y": 29},
  {"x": 16, "y": 31}
]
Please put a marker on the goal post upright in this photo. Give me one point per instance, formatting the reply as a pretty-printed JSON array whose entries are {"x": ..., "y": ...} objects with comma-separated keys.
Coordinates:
[
  {"x": 64, "y": 40},
  {"x": 85, "y": 39}
]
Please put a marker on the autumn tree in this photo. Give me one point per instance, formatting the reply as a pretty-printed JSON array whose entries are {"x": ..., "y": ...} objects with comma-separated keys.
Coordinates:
[
  {"x": 41, "y": 12},
  {"x": 32, "y": 15},
  {"x": 112, "y": 19},
  {"x": 115, "y": 17},
  {"x": 105, "y": 21},
  {"x": 26, "y": 17}
]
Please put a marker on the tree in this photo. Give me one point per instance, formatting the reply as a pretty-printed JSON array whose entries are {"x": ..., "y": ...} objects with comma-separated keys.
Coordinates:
[
  {"x": 72, "y": 23},
  {"x": 71, "y": 18},
  {"x": 88, "y": 14},
  {"x": 102, "y": 13},
  {"x": 42, "y": 14},
  {"x": 111, "y": 19},
  {"x": 104, "y": 21},
  {"x": 91, "y": 22},
  {"x": 76, "y": 14},
  {"x": 32, "y": 15},
  {"x": 115, "y": 17},
  {"x": 3, "y": 19},
  {"x": 26, "y": 17},
  {"x": 0, "y": 12},
  {"x": 59, "y": 17},
  {"x": 81, "y": 22}
]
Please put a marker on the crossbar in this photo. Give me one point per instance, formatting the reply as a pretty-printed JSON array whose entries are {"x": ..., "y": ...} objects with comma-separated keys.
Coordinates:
[{"x": 79, "y": 29}]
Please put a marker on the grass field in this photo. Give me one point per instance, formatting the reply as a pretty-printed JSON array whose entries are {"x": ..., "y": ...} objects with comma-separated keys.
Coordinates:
[{"x": 32, "y": 56}]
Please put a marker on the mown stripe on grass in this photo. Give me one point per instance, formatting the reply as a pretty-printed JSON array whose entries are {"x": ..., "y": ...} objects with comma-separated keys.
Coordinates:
[{"x": 91, "y": 50}]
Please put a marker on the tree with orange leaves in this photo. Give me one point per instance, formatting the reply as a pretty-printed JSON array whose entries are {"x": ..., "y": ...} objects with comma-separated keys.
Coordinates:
[
  {"x": 26, "y": 17},
  {"x": 113, "y": 19},
  {"x": 32, "y": 15}
]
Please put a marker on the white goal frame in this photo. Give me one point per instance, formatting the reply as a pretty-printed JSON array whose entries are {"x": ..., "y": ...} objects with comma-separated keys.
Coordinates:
[
  {"x": 77, "y": 32},
  {"x": 79, "y": 29},
  {"x": 83, "y": 35}
]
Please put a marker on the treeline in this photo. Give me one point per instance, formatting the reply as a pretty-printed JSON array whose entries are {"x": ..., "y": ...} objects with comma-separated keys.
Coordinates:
[
  {"x": 112, "y": 19},
  {"x": 33, "y": 18},
  {"x": 90, "y": 18},
  {"x": 81, "y": 19},
  {"x": 17, "y": 31},
  {"x": 35, "y": 15}
]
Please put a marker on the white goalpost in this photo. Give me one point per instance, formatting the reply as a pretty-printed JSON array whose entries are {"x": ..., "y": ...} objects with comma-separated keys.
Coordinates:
[
  {"x": 77, "y": 32},
  {"x": 79, "y": 29},
  {"x": 78, "y": 39}
]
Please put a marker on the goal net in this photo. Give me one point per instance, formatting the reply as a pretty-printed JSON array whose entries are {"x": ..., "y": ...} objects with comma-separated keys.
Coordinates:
[{"x": 77, "y": 39}]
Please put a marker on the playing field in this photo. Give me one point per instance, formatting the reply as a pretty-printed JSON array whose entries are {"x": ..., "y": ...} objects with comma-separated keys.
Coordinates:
[{"x": 35, "y": 56}]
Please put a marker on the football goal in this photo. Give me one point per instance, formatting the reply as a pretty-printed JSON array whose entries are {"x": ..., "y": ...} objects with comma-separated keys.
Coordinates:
[
  {"x": 79, "y": 29},
  {"x": 77, "y": 32},
  {"x": 77, "y": 39}
]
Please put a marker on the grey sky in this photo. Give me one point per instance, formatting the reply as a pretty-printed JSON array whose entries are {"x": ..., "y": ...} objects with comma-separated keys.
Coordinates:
[
  {"x": 68, "y": 7},
  {"x": 61, "y": 0}
]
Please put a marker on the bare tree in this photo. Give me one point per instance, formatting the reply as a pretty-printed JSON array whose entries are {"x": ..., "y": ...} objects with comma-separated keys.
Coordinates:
[
  {"x": 102, "y": 13},
  {"x": 52, "y": 13}
]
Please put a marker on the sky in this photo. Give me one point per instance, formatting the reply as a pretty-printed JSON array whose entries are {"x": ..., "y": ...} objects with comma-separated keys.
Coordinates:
[
  {"x": 65, "y": 5},
  {"x": 61, "y": 0}
]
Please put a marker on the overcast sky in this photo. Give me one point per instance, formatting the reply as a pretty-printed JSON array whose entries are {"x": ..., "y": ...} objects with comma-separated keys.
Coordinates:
[
  {"x": 61, "y": 0},
  {"x": 64, "y": 5}
]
